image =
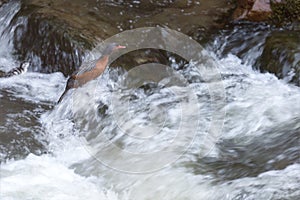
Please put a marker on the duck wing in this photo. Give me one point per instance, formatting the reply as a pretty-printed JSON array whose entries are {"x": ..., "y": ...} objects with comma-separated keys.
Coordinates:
[{"x": 85, "y": 67}]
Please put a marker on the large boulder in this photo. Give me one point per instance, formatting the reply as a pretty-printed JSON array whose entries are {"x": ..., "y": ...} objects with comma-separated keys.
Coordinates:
[
  {"x": 54, "y": 40},
  {"x": 55, "y": 34},
  {"x": 281, "y": 55},
  {"x": 48, "y": 46}
]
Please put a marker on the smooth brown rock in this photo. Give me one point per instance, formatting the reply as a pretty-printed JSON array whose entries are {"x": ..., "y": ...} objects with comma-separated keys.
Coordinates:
[
  {"x": 101, "y": 19},
  {"x": 58, "y": 32}
]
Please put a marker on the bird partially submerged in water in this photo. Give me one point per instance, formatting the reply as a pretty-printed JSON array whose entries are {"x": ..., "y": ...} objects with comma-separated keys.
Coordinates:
[
  {"x": 21, "y": 69},
  {"x": 86, "y": 74}
]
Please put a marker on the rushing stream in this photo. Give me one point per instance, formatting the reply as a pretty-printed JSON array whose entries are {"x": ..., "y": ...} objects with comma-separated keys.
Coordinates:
[{"x": 71, "y": 145}]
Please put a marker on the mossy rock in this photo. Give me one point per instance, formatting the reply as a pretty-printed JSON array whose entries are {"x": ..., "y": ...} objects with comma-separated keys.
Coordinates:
[
  {"x": 285, "y": 12},
  {"x": 281, "y": 55}
]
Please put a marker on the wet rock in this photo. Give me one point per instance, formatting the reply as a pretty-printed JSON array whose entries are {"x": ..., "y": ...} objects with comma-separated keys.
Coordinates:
[
  {"x": 47, "y": 40},
  {"x": 102, "y": 109},
  {"x": 279, "y": 12},
  {"x": 139, "y": 57},
  {"x": 92, "y": 21},
  {"x": 21, "y": 132},
  {"x": 242, "y": 9},
  {"x": 149, "y": 88},
  {"x": 195, "y": 19},
  {"x": 281, "y": 56},
  {"x": 2, "y": 74},
  {"x": 48, "y": 47},
  {"x": 253, "y": 10},
  {"x": 3, "y": 2},
  {"x": 55, "y": 33},
  {"x": 101, "y": 19},
  {"x": 285, "y": 12}
]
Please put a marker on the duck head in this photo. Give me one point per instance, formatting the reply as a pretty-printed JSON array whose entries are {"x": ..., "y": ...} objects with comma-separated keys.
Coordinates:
[{"x": 111, "y": 48}]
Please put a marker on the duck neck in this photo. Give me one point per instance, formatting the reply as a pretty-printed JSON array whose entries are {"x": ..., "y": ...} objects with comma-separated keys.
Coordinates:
[{"x": 101, "y": 64}]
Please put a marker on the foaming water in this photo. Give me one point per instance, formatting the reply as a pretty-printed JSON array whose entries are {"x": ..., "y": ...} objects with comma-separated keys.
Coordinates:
[
  {"x": 7, "y": 12},
  {"x": 113, "y": 140},
  {"x": 43, "y": 177},
  {"x": 35, "y": 87},
  {"x": 260, "y": 111},
  {"x": 269, "y": 100},
  {"x": 46, "y": 174}
]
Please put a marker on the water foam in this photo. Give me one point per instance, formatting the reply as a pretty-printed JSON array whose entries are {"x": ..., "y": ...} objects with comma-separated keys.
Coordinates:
[{"x": 255, "y": 102}]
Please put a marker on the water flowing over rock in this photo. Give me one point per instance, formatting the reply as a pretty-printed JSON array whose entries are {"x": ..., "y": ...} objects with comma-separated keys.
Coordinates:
[
  {"x": 55, "y": 34},
  {"x": 2, "y": 2},
  {"x": 46, "y": 41},
  {"x": 281, "y": 55},
  {"x": 213, "y": 128}
]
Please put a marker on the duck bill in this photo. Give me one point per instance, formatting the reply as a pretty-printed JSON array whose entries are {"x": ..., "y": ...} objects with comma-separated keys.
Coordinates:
[{"x": 121, "y": 47}]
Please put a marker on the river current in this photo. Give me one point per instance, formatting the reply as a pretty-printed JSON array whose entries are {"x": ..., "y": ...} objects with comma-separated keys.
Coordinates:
[{"x": 76, "y": 150}]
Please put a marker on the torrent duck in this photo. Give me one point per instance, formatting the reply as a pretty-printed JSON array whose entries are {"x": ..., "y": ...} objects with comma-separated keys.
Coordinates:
[{"x": 85, "y": 74}]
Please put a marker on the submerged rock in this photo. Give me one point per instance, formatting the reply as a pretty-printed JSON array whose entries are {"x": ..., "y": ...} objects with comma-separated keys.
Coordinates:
[
  {"x": 23, "y": 132},
  {"x": 281, "y": 55},
  {"x": 102, "y": 109}
]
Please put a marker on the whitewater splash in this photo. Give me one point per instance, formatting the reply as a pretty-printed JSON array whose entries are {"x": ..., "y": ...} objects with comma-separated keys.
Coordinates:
[
  {"x": 254, "y": 104},
  {"x": 255, "y": 157}
]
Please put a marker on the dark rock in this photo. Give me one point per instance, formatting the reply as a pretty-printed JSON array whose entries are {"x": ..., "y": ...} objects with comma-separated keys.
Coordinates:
[
  {"x": 242, "y": 9},
  {"x": 3, "y": 2},
  {"x": 54, "y": 35},
  {"x": 23, "y": 133},
  {"x": 2, "y": 74},
  {"x": 285, "y": 11},
  {"x": 279, "y": 12},
  {"x": 142, "y": 56},
  {"x": 253, "y": 10},
  {"x": 47, "y": 41},
  {"x": 281, "y": 55},
  {"x": 102, "y": 109},
  {"x": 149, "y": 88},
  {"x": 49, "y": 48}
]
